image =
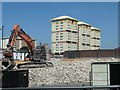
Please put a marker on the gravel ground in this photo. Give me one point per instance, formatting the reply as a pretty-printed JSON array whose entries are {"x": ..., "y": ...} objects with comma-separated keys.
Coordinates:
[{"x": 64, "y": 72}]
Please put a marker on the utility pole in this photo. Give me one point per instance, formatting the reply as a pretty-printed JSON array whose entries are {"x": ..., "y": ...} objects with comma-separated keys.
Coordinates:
[{"x": 2, "y": 36}]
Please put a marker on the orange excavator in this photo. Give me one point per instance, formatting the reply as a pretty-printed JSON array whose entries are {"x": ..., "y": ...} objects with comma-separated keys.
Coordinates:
[{"x": 29, "y": 61}]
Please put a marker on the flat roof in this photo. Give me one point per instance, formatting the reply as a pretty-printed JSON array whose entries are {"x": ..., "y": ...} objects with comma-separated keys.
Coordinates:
[
  {"x": 79, "y": 23},
  {"x": 63, "y": 17},
  {"x": 94, "y": 28}
]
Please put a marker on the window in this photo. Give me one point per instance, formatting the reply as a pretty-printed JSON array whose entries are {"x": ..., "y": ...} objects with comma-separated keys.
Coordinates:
[
  {"x": 61, "y": 45},
  {"x": 57, "y": 47},
  {"x": 61, "y": 33},
  {"x": 57, "y": 25},
  {"x": 57, "y": 22},
  {"x": 61, "y": 38},
  {"x": 61, "y": 28},
  {"x": 83, "y": 39},
  {"x": 75, "y": 36},
  {"x": 83, "y": 43},
  {"x": 98, "y": 38},
  {"x": 56, "y": 44},
  {"x": 88, "y": 44},
  {"x": 57, "y": 39},
  {"x": 61, "y": 22},
  {"x": 57, "y": 36},
  {"x": 57, "y": 50},
  {"x": 69, "y": 25},
  {"x": 69, "y": 46},
  {"x": 83, "y": 34},
  {"x": 88, "y": 35},
  {"x": 89, "y": 41},
  {"x": 56, "y": 28},
  {"x": 61, "y": 49},
  {"x": 69, "y": 36},
  {"x": 57, "y": 33},
  {"x": 61, "y": 25},
  {"x": 69, "y": 39}
]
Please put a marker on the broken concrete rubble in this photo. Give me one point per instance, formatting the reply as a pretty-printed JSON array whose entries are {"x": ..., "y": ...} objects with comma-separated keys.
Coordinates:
[{"x": 63, "y": 72}]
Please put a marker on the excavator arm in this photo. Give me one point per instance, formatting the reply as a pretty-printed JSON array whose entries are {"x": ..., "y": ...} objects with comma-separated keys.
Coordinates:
[
  {"x": 29, "y": 61},
  {"x": 27, "y": 39},
  {"x": 8, "y": 53},
  {"x": 17, "y": 31}
]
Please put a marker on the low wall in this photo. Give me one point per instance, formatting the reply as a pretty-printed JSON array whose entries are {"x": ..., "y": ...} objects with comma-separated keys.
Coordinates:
[{"x": 115, "y": 53}]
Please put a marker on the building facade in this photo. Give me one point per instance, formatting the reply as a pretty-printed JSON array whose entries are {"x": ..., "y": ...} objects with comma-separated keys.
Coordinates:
[
  {"x": 71, "y": 34},
  {"x": 64, "y": 34},
  {"x": 84, "y": 40},
  {"x": 95, "y": 38},
  {"x": 18, "y": 43}
]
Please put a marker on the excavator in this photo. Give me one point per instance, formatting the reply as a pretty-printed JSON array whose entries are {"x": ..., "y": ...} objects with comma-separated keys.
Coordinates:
[{"x": 30, "y": 62}]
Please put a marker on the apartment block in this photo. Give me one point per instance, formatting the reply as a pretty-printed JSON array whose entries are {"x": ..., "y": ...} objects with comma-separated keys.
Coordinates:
[
  {"x": 95, "y": 38},
  {"x": 17, "y": 45},
  {"x": 71, "y": 34},
  {"x": 64, "y": 34},
  {"x": 84, "y": 40}
]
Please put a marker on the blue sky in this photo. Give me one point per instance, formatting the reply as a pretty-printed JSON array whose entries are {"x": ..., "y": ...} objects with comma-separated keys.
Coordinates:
[
  {"x": 0, "y": 19},
  {"x": 34, "y": 18}
]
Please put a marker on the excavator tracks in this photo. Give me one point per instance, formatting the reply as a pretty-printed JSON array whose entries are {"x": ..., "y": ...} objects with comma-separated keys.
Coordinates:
[{"x": 33, "y": 64}]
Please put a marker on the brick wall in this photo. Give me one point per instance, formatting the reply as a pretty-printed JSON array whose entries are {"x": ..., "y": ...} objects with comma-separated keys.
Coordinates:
[{"x": 92, "y": 53}]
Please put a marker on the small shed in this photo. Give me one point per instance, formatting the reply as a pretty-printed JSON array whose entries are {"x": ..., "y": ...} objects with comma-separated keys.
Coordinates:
[{"x": 105, "y": 73}]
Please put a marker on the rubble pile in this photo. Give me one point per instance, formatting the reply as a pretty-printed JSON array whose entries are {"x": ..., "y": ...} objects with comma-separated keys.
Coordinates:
[{"x": 63, "y": 72}]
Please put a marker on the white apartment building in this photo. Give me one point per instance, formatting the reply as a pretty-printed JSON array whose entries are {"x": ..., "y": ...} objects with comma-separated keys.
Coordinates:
[
  {"x": 17, "y": 45},
  {"x": 5, "y": 42},
  {"x": 95, "y": 38},
  {"x": 84, "y": 36},
  {"x": 64, "y": 34},
  {"x": 71, "y": 34}
]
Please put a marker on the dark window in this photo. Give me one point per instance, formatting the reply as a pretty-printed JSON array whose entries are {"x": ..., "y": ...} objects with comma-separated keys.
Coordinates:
[{"x": 83, "y": 34}]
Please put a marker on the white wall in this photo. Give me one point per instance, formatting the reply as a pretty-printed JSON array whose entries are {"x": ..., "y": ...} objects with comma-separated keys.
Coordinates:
[{"x": 19, "y": 56}]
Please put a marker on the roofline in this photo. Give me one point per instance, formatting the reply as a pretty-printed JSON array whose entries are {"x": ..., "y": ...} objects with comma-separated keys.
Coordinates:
[
  {"x": 64, "y": 19},
  {"x": 94, "y": 28},
  {"x": 84, "y": 23}
]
